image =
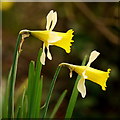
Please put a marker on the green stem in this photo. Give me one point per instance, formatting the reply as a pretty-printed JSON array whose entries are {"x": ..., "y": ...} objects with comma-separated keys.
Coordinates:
[
  {"x": 50, "y": 91},
  {"x": 74, "y": 95},
  {"x": 34, "y": 91},
  {"x": 12, "y": 79},
  {"x": 58, "y": 104}
]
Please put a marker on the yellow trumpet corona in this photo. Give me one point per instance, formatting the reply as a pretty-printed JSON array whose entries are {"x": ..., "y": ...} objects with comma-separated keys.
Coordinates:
[
  {"x": 94, "y": 75},
  {"x": 59, "y": 39},
  {"x": 50, "y": 37},
  {"x": 87, "y": 72}
]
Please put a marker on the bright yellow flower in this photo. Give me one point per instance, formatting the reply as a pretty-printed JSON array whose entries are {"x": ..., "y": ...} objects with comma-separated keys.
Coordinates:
[
  {"x": 6, "y": 5},
  {"x": 50, "y": 37},
  {"x": 86, "y": 72}
]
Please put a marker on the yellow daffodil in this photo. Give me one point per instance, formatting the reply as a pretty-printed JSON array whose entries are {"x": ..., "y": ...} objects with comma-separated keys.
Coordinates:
[
  {"x": 87, "y": 72},
  {"x": 5, "y": 5},
  {"x": 50, "y": 37}
]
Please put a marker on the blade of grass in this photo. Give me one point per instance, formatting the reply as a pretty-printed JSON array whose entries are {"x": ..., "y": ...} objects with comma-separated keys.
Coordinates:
[
  {"x": 30, "y": 92},
  {"x": 74, "y": 95},
  {"x": 25, "y": 107},
  {"x": 21, "y": 106},
  {"x": 34, "y": 88},
  {"x": 58, "y": 104},
  {"x": 50, "y": 91},
  {"x": 12, "y": 79},
  {"x": 5, "y": 98},
  {"x": 38, "y": 87},
  {"x": 19, "y": 95},
  {"x": 18, "y": 113},
  {"x": 19, "y": 91},
  {"x": 38, "y": 100}
]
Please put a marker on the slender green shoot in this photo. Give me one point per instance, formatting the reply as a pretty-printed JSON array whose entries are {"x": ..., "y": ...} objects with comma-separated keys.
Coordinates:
[
  {"x": 21, "y": 106},
  {"x": 30, "y": 92},
  {"x": 74, "y": 95},
  {"x": 58, "y": 104},
  {"x": 50, "y": 91},
  {"x": 5, "y": 99},
  {"x": 18, "y": 113},
  {"x": 34, "y": 88},
  {"x": 12, "y": 79}
]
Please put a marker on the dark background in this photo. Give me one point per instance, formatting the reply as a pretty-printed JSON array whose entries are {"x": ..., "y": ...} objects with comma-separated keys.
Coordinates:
[{"x": 95, "y": 27}]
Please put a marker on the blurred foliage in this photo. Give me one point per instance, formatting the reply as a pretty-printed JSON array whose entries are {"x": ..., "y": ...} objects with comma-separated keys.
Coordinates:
[{"x": 87, "y": 37}]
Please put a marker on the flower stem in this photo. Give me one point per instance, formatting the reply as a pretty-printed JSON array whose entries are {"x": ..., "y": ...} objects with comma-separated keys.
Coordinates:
[
  {"x": 12, "y": 78},
  {"x": 50, "y": 91},
  {"x": 74, "y": 95}
]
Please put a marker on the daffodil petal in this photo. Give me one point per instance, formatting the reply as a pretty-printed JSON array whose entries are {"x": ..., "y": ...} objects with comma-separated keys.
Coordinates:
[
  {"x": 54, "y": 20},
  {"x": 49, "y": 19},
  {"x": 94, "y": 54},
  {"x": 43, "y": 56},
  {"x": 85, "y": 76},
  {"x": 81, "y": 87},
  {"x": 70, "y": 73},
  {"x": 48, "y": 53},
  {"x": 53, "y": 37},
  {"x": 94, "y": 75}
]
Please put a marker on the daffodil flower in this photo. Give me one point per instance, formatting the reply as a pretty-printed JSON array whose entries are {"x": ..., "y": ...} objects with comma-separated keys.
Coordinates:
[
  {"x": 50, "y": 37},
  {"x": 87, "y": 72}
]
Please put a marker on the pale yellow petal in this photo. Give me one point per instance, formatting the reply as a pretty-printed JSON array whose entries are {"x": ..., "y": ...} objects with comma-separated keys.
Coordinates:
[
  {"x": 54, "y": 20},
  {"x": 43, "y": 56},
  {"x": 81, "y": 87},
  {"x": 53, "y": 37},
  {"x": 49, "y": 20},
  {"x": 48, "y": 53},
  {"x": 94, "y": 54}
]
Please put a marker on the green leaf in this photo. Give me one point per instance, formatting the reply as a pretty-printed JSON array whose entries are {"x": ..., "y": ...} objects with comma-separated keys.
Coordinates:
[
  {"x": 74, "y": 95},
  {"x": 58, "y": 104},
  {"x": 21, "y": 106},
  {"x": 39, "y": 97},
  {"x": 25, "y": 107},
  {"x": 11, "y": 80},
  {"x": 18, "y": 113},
  {"x": 30, "y": 90},
  {"x": 34, "y": 88},
  {"x": 50, "y": 91},
  {"x": 5, "y": 99}
]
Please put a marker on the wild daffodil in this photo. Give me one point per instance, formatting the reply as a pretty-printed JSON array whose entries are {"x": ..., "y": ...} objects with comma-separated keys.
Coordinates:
[
  {"x": 50, "y": 37},
  {"x": 87, "y": 72}
]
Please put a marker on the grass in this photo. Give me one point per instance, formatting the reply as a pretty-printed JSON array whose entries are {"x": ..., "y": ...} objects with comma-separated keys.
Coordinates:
[
  {"x": 29, "y": 103},
  {"x": 50, "y": 91},
  {"x": 74, "y": 95}
]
